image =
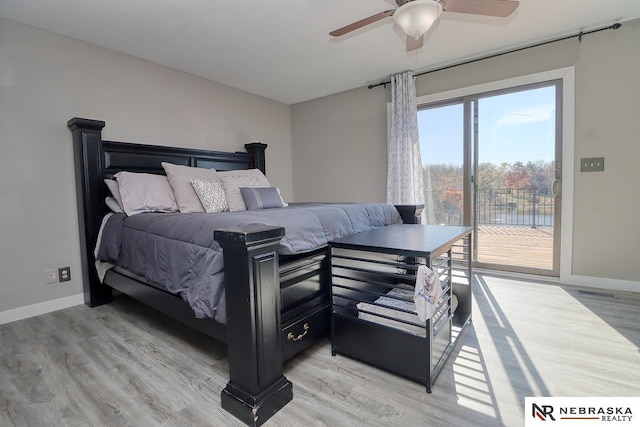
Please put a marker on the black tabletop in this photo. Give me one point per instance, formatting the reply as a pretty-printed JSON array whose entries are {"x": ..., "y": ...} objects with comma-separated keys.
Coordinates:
[{"x": 407, "y": 239}]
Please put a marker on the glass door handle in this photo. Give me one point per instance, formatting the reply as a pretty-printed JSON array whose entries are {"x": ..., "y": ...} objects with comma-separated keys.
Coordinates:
[{"x": 556, "y": 187}]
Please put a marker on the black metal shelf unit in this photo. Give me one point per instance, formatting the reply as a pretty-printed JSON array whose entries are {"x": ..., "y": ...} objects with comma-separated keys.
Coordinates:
[{"x": 373, "y": 315}]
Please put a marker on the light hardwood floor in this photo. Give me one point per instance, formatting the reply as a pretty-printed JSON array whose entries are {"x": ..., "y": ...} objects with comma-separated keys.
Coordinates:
[{"x": 122, "y": 364}]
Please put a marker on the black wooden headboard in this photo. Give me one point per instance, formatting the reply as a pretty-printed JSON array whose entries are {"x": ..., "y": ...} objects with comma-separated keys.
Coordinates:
[{"x": 119, "y": 156}]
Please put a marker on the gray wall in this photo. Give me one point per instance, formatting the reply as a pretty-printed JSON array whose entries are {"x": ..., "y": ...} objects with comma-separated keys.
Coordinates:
[
  {"x": 339, "y": 141},
  {"x": 46, "y": 79},
  {"x": 340, "y": 147}
]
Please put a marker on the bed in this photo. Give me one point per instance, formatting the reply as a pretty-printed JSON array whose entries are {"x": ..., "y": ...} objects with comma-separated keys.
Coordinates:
[{"x": 275, "y": 305}]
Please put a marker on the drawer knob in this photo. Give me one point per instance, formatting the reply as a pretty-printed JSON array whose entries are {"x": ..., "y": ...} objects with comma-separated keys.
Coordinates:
[{"x": 291, "y": 337}]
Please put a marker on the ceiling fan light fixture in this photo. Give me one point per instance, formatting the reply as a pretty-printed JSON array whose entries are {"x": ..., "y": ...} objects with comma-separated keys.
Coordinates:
[{"x": 416, "y": 17}]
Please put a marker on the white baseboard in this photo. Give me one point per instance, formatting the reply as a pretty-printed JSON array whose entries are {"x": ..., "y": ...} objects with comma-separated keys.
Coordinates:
[
  {"x": 521, "y": 276},
  {"x": 573, "y": 280},
  {"x": 603, "y": 283},
  {"x": 40, "y": 308}
]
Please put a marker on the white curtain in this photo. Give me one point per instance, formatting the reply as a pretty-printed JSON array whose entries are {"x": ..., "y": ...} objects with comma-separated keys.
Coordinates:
[{"x": 404, "y": 170}]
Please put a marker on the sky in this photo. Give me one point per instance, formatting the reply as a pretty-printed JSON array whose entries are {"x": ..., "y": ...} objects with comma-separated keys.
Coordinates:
[{"x": 513, "y": 127}]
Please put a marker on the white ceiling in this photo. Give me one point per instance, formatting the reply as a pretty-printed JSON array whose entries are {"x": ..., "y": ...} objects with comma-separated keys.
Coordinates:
[{"x": 282, "y": 50}]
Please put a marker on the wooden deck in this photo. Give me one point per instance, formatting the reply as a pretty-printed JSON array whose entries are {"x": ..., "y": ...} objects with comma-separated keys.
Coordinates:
[{"x": 521, "y": 246}]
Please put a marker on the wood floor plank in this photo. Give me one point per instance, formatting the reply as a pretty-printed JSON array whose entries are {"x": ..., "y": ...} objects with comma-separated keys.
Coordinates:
[{"x": 123, "y": 364}]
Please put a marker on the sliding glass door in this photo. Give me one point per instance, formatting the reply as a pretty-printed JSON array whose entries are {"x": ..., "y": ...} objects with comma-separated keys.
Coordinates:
[{"x": 493, "y": 161}]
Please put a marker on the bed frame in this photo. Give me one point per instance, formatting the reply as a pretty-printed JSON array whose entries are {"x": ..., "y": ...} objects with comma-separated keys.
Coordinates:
[{"x": 276, "y": 305}]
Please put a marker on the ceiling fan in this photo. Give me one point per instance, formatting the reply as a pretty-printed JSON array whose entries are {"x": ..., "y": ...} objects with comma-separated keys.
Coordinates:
[{"x": 416, "y": 16}]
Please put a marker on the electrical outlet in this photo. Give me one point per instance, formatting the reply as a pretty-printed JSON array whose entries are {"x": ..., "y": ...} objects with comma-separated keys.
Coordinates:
[
  {"x": 64, "y": 274},
  {"x": 51, "y": 276}
]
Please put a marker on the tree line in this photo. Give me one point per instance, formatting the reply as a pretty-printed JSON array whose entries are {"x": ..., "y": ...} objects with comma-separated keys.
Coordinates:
[{"x": 536, "y": 175}]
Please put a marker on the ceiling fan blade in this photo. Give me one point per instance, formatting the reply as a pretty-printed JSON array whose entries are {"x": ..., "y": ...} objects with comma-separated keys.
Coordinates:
[
  {"x": 413, "y": 44},
  {"x": 499, "y": 8},
  {"x": 361, "y": 23}
]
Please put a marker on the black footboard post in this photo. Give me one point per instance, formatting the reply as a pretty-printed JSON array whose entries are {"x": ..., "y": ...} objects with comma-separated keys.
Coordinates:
[
  {"x": 256, "y": 389},
  {"x": 410, "y": 214},
  {"x": 88, "y": 160}
]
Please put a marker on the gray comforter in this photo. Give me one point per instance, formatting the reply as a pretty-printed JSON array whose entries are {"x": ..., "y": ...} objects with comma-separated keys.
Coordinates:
[{"x": 178, "y": 251}]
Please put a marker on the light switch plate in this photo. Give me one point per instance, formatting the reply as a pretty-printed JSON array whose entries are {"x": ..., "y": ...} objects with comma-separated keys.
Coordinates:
[
  {"x": 51, "y": 276},
  {"x": 592, "y": 164}
]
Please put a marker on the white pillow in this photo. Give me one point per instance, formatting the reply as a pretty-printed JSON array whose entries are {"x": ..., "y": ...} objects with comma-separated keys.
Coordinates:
[
  {"x": 113, "y": 204},
  {"x": 233, "y": 180},
  {"x": 180, "y": 179},
  {"x": 145, "y": 192},
  {"x": 211, "y": 194},
  {"x": 112, "y": 185}
]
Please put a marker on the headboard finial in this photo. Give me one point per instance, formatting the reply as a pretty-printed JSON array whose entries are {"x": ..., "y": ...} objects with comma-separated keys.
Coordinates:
[
  {"x": 80, "y": 123},
  {"x": 256, "y": 151}
]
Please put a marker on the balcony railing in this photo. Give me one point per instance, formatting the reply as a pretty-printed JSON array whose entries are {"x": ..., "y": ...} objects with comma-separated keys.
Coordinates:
[{"x": 500, "y": 206}]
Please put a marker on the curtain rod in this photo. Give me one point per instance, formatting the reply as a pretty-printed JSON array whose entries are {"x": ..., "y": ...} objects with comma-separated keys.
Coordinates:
[{"x": 470, "y": 61}]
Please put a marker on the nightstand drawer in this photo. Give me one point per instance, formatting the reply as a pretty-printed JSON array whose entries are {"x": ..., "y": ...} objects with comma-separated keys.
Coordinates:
[{"x": 303, "y": 332}]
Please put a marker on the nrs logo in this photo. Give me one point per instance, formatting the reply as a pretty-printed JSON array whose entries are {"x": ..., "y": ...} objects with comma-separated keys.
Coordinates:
[{"x": 542, "y": 412}]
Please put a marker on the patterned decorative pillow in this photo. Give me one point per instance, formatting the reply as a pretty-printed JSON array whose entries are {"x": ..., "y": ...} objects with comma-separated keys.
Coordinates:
[
  {"x": 233, "y": 180},
  {"x": 211, "y": 195},
  {"x": 262, "y": 198}
]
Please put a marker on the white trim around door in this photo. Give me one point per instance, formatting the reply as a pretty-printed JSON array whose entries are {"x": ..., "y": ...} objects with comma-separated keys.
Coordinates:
[{"x": 568, "y": 126}]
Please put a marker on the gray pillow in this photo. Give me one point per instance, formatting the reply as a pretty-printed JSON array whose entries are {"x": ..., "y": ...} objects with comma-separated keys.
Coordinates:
[
  {"x": 180, "y": 179},
  {"x": 144, "y": 192},
  {"x": 113, "y": 204},
  {"x": 113, "y": 187},
  {"x": 261, "y": 198}
]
